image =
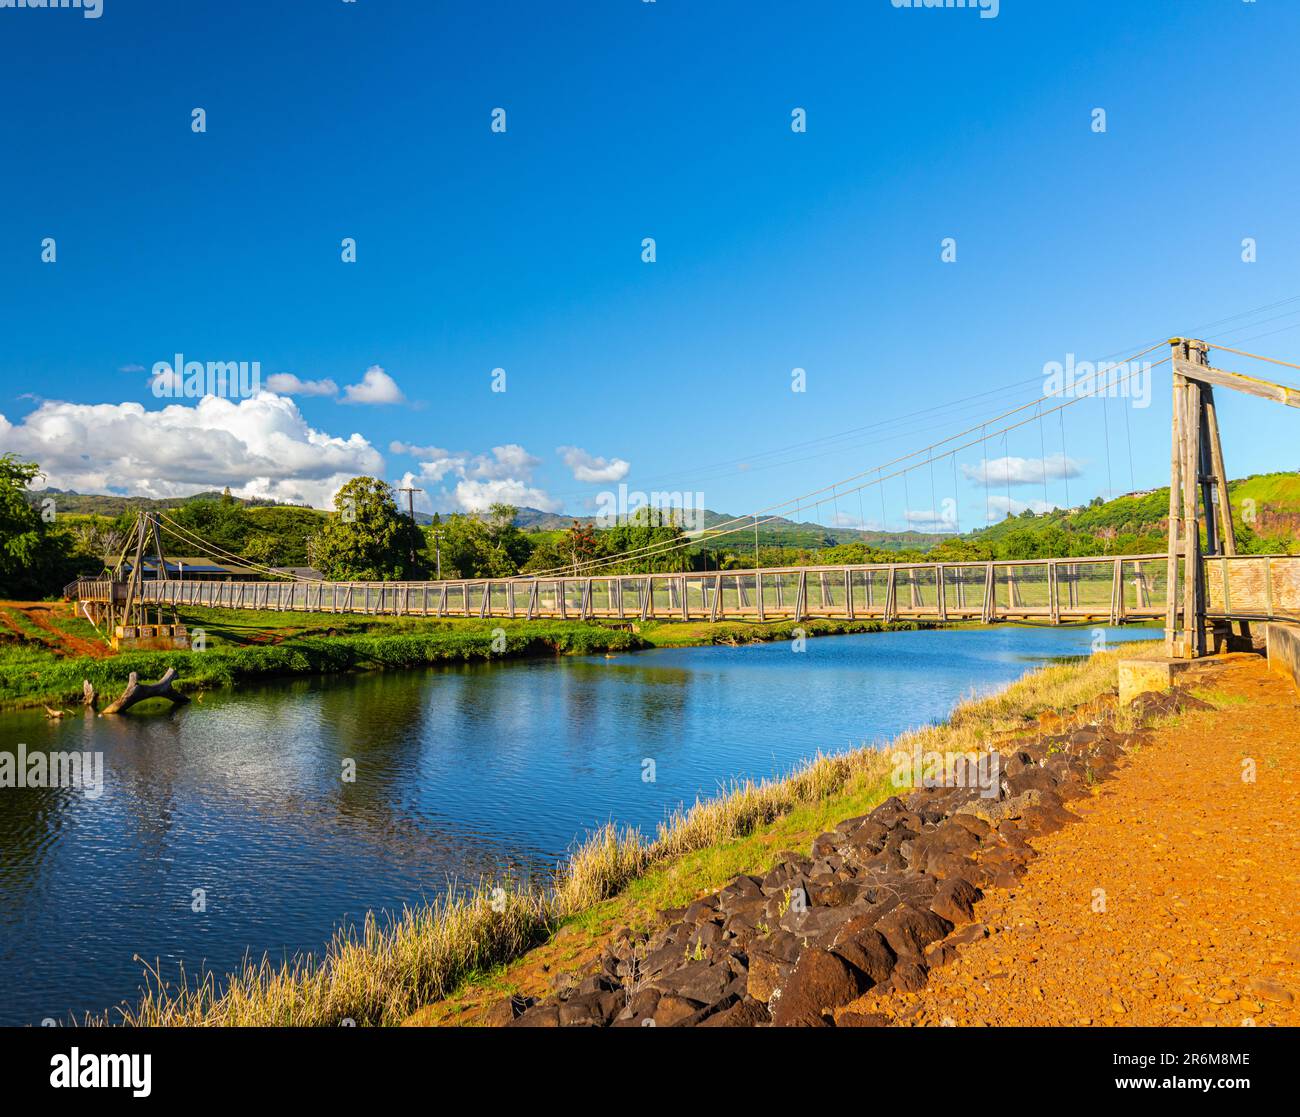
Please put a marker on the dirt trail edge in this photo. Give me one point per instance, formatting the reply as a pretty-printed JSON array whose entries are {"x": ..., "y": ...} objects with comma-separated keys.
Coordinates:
[
  {"x": 1173, "y": 902},
  {"x": 1138, "y": 868}
]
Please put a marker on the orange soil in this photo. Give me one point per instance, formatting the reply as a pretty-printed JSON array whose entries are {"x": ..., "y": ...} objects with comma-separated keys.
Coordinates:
[
  {"x": 60, "y": 642},
  {"x": 1175, "y": 901}
]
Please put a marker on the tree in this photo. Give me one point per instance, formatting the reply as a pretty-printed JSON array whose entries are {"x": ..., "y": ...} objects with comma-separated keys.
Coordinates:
[
  {"x": 35, "y": 560},
  {"x": 580, "y": 544},
  {"x": 481, "y": 545},
  {"x": 368, "y": 538},
  {"x": 510, "y": 547},
  {"x": 645, "y": 528}
]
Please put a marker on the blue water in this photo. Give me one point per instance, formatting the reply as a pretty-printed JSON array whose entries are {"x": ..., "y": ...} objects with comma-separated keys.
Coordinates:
[{"x": 460, "y": 773}]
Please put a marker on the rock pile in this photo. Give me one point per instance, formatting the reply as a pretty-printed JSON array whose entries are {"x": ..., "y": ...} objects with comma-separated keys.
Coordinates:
[{"x": 882, "y": 899}]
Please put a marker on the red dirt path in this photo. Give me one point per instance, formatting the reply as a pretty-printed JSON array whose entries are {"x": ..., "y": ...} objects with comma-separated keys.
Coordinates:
[{"x": 1199, "y": 871}]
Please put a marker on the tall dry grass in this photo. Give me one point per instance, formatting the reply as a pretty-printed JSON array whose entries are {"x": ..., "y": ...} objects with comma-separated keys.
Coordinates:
[{"x": 384, "y": 972}]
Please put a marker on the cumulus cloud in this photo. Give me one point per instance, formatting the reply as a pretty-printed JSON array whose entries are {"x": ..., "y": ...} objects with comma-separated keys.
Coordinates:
[
  {"x": 396, "y": 447},
  {"x": 376, "y": 386},
  {"x": 260, "y": 447},
  {"x": 289, "y": 385},
  {"x": 478, "y": 496},
  {"x": 1021, "y": 471},
  {"x": 588, "y": 467},
  {"x": 502, "y": 476},
  {"x": 505, "y": 462}
]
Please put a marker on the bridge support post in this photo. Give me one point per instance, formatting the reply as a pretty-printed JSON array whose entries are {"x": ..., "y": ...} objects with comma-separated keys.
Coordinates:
[{"x": 1185, "y": 634}]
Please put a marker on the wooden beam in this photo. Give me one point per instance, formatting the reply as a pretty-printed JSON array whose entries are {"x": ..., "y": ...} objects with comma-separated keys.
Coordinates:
[
  {"x": 1175, "y": 505},
  {"x": 1251, "y": 385}
]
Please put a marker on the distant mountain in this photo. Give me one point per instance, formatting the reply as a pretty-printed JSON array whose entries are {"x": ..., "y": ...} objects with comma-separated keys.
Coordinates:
[
  {"x": 771, "y": 532},
  {"x": 110, "y": 504},
  {"x": 775, "y": 532}
]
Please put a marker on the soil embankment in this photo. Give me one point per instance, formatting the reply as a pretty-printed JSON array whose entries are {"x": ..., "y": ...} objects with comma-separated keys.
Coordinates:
[
  {"x": 1176, "y": 901},
  {"x": 1134, "y": 866}
]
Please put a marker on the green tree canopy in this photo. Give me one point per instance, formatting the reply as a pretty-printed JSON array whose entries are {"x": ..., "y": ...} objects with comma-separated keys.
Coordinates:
[{"x": 367, "y": 538}]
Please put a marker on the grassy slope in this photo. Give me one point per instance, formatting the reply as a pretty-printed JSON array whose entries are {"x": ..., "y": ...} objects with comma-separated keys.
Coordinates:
[
  {"x": 1143, "y": 515},
  {"x": 252, "y": 644}
]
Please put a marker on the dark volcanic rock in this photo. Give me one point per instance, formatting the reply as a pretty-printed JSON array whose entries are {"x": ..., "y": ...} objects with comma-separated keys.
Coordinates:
[
  {"x": 910, "y": 930},
  {"x": 955, "y": 901},
  {"x": 820, "y": 982},
  {"x": 866, "y": 950},
  {"x": 748, "y": 1013},
  {"x": 875, "y": 906}
]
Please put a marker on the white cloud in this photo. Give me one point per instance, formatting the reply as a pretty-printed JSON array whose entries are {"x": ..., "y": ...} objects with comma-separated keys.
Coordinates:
[
  {"x": 1021, "y": 471},
  {"x": 289, "y": 385},
  {"x": 477, "y": 496},
  {"x": 505, "y": 461},
  {"x": 1001, "y": 506},
  {"x": 502, "y": 476},
  {"x": 436, "y": 468},
  {"x": 376, "y": 386},
  {"x": 396, "y": 447},
  {"x": 587, "y": 467},
  {"x": 259, "y": 447}
]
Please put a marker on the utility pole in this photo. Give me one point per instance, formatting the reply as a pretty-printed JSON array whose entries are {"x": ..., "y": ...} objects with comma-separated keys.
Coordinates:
[
  {"x": 410, "y": 507},
  {"x": 437, "y": 553}
]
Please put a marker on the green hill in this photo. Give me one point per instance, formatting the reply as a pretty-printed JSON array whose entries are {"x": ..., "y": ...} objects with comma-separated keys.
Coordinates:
[{"x": 1265, "y": 509}]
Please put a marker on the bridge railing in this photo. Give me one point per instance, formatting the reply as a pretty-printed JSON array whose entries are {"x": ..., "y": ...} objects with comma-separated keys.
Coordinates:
[
  {"x": 1253, "y": 587},
  {"x": 1102, "y": 588},
  {"x": 89, "y": 589}
]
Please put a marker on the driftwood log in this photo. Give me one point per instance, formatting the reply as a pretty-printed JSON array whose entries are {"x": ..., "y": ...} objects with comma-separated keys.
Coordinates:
[
  {"x": 137, "y": 691},
  {"x": 88, "y": 696}
]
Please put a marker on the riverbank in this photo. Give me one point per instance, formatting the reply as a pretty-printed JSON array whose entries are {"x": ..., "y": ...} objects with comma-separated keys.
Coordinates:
[
  {"x": 43, "y": 646},
  {"x": 1136, "y": 865},
  {"x": 388, "y": 970},
  {"x": 1194, "y": 855}
]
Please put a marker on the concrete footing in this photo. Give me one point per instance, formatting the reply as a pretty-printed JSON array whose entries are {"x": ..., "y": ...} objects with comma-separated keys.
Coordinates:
[
  {"x": 1284, "y": 650},
  {"x": 1137, "y": 676}
]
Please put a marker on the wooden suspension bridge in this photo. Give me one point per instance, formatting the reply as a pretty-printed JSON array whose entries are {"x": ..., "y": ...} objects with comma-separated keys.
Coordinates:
[{"x": 1207, "y": 593}]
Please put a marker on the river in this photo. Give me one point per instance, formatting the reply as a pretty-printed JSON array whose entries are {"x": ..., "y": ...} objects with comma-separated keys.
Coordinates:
[{"x": 461, "y": 773}]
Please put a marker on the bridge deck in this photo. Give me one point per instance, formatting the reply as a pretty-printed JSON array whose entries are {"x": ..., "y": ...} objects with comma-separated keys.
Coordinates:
[
  {"x": 1055, "y": 590},
  {"x": 1110, "y": 589}
]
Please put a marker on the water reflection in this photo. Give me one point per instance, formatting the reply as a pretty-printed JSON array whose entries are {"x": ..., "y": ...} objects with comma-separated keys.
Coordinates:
[{"x": 461, "y": 773}]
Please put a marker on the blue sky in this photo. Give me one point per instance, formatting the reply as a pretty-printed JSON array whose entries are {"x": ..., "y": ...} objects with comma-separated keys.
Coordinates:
[{"x": 522, "y": 250}]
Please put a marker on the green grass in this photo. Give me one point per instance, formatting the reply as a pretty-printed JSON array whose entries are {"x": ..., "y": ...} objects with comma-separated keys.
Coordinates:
[
  {"x": 33, "y": 675},
  {"x": 1219, "y": 698},
  {"x": 1279, "y": 491},
  {"x": 248, "y": 644}
]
